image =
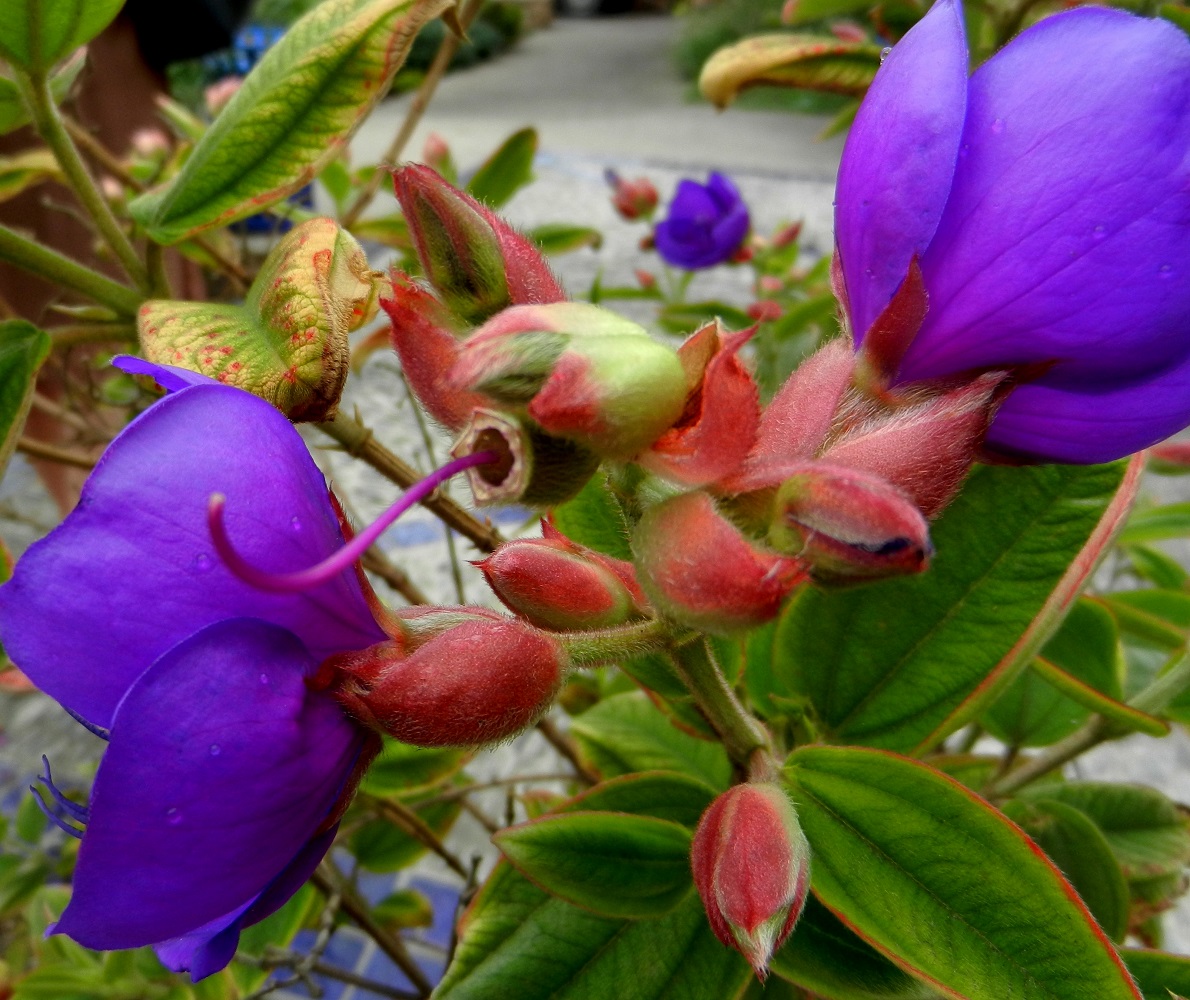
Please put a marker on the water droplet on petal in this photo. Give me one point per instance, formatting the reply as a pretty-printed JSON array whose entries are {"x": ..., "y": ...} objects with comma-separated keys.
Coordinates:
[
  {"x": 173, "y": 815},
  {"x": 997, "y": 126},
  {"x": 1099, "y": 232},
  {"x": 215, "y": 750},
  {"x": 884, "y": 52},
  {"x": 295, "y": 523},
  {"x": 1165, "y": 271},
  {"x": 264, "y": 678},
  {"x": 201, "y": 563}
]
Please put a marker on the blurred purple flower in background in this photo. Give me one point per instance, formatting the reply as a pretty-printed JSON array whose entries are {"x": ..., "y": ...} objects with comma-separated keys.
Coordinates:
[
  {"x": 705, "y": 224},
  {"x": 1047, "y": 199},
  {"x": 219, "y": 791}
]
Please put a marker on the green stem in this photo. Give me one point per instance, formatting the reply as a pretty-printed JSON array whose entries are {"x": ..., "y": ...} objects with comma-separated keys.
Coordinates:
[
  {"x": 742, "y": 735},
  {"x": 599, "y": 647},
  {"x": 1096, "y": 730},
  {"x": 52, "y": 266},
  {"x": 49, "y": 124}
]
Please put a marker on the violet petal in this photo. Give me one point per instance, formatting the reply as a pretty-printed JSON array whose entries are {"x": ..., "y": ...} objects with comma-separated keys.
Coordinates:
[
  {"x": 221, "y": 769},
  {"x": 899, "y": 160},
  {"x": 132, "y": 570}
]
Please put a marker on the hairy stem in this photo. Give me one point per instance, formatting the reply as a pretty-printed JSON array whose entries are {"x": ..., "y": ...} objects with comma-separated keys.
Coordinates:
[
  {"x": 49, "y": 125},
  {"x": 53, "y": 266}
]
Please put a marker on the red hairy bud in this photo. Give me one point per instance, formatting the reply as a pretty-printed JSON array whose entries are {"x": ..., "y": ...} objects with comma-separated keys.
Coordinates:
[
  {"x": 634, "y": 199},
  {"x": 554, "y": 583},
  {"x": 477, "y": 678},
  {"x": 847, "y": 524},
  {"x": 700, "y": 570},
  {"x": 751, "y": 866}
]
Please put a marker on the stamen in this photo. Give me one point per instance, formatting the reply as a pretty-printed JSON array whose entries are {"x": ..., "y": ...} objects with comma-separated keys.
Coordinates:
[
  {"x": 346, "y": 556},
  {"x": 72, "y": 809}
]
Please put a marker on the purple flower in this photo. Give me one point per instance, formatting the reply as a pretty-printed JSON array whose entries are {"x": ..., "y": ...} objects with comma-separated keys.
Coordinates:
[
  {"x": 1047, "y": 199},
  {"x": 705, "y": 225},
  {"x": 220, "y": 789}
]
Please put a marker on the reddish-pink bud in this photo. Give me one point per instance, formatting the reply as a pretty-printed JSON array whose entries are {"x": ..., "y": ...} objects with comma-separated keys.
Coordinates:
[
  {"x": 847, "y": 524},
  {"x": 698, "y": 568},
  {"x": 476, "y": 262},
  {"x": 424, "y": 334},
  {"x": 477, "y": 678},
  {"x": 634, "y": 199},
  {"x": 555, "y": 583},
  {"x": 646, "y": 279},
  {"x": 765, "y": 310},
  {"x": 786, "y": 235},
  {"x": 719, "y": 421},
  {"x": 751, "y": 866},
  {"x": 436, "y": 153},
  {"x": 848, "y": 31},
  {"x": 1171, "y": 457}
]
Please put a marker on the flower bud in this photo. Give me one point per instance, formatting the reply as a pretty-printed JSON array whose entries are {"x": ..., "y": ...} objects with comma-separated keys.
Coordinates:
[
  {"x": 847, "y": 524},
  {"x": 287, "y": 343},
  {"x": 534, "y": 468},
  {"x": 555, "y": 583},
  {"x": 476, "y": 679},
  {"x": 474, "y": 260},
  {"x": 698, "y": 568},
  {"x": 634, "y": 199},
  {"x": 751, "y": 866},
  {"x": 436, "y": 153},
  {"x": 580, "y": 372}
]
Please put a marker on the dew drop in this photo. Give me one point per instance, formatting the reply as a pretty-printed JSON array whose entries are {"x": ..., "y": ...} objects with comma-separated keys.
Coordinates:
[
  {"x": 1165, "y": 271},
  {"x": 264, "y": 678},
  {"x": 964, "y": 150},
  {"x": 1099, "y": 232},
  {"x": 997, "y": 126},
  {"x": 295, "y": 524},
  {"x": 173, "y": 815},
  {"x": 215, "y": 750},
  {"x": 884, "y": 52},
  {"x": 201, "y": 563}
]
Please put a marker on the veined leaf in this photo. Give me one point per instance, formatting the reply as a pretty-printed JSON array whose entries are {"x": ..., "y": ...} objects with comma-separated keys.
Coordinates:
[
  {"x": 13, "y": 113},
  {"x": 939, "y": 881},
  {"x": 615, "y": 864},
  {"x": 1159, "y": 976},
  {"x": 1157, "y": 524},
  {"x": 813, "y": 62},
  {"x": 896, "y": 664},
  {"x": 294, "y": 114},
  {"x": 35, "y": 34}
]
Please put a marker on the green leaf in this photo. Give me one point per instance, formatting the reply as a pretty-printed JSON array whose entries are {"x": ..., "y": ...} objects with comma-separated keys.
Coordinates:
[
  {"x": 614, "y": 864},
  {"x": 276, "y": 930},
  {"x": 20, "y": 878},
  {"x": 1157, "y": 567},
  {"x": 593, "y": 519},
  {"x": 1032, "y": 712},
  {"x": 506, "y": 171},
  {"x": 558, "y": 238},
  {"x": 891, "y": 664},
  {"x": 661, "y": 794},
  {"x": 401, "y": 769},
  {"x": 683, "y": 317},
  {"x": 404, "y": 908},
  {"x": 1156, "y": 973},
  {"x": 627, "y": 733},
  {"x": 813, "y": 62},
  {"x": 1157, "y": 524},
  {"x": 939, "y": 881},
  {"x": 293, "y": 115},
  {"x": 826, "y": 958},
  {"x": 1148, "y": 834},
  {"x": 23, "y": 348},
  {"x": 381, "y": 846},
  {"x": 390, "y": 231},
  {"x": 1082, "y": 854},
  {"x": 35, "y": 34},
  {"x": 1159, "y": 617},
  {"x": 14, "y": 113},
  {"x": 30, "y": 820},
  {"x": 518, "y": 941},
  {"x": 25, "y": 170}
]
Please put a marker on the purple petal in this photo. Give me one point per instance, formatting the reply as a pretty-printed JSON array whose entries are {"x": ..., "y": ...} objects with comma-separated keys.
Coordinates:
[
  {"x": 704, "y": 225},
  {"x": 1067, "y": 233},
  {"x": 132, "y": 570},
  {"x": 221, "y": 769},
  {"x": 171, "y": 378},
  {"x": 899, "y": 160},
  {"x": 1082, "y": 425},
  {"x": 209, "y": 948}
]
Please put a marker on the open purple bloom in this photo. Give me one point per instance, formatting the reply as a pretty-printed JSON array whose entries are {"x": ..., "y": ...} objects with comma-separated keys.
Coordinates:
[
  {"x": 1047, "y": 199},
  {"x": 705, "y": 224},
  {"x": 219, "y": 791}
]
